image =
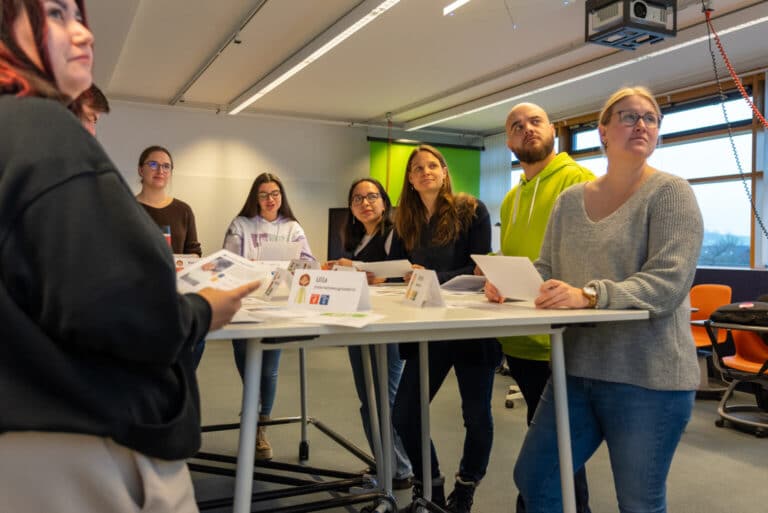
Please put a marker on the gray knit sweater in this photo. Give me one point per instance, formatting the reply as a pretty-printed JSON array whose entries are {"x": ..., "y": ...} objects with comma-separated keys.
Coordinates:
[{"x": 641, "y": 256}]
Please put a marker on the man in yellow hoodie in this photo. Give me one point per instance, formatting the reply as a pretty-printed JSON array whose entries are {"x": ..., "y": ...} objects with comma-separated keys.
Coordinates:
[{"x": 524, "y": 216}]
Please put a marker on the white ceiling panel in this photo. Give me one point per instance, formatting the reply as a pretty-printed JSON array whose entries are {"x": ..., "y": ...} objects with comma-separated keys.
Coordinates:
[{"x": 411, "y": 61}]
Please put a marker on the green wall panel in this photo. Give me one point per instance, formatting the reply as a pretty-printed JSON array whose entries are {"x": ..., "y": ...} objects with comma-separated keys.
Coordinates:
[{"x": 463, "y": 165}]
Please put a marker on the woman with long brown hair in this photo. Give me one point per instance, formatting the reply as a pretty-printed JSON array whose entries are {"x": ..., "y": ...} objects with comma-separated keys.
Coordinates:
[
  {"x": 440, "y": 230},
  {"x": 265, "y": 217}
]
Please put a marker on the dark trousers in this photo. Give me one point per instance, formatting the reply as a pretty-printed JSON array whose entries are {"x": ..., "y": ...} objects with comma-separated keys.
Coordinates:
[
  {"x": 532, "y": 376},
  {"x": 475, "y": 382}
]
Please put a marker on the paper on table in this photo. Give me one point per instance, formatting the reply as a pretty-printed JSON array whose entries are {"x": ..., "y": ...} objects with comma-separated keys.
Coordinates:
[
  {"x": 349, "y": 319},
  {"x": 515, "y": 277},
  {"x": 246, "y": 315},
  {"x": 279, "y": 250},
  {"x": 464, "y": 282},
  {"x": 386, "y": 268}
]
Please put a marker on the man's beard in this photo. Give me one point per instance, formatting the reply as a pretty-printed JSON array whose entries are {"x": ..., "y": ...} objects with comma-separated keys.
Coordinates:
[{"x": 533, "y": 154}]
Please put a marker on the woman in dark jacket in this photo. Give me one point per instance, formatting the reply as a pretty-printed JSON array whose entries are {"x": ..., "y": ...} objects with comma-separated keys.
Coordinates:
[
  {"x": 439, "y": 230},
  {"x": 367, "y": 237}
]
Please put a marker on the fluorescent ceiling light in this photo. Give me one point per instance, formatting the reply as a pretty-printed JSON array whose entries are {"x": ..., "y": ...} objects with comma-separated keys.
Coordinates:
[
  {"x": 448, "y": 9},
  {"x": 450, "y": 114},
  {"x": 353, "y": 21}
]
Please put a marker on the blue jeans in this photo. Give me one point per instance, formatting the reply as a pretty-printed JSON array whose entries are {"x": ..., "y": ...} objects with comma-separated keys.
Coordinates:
[
  {"x": 475, "y": 382},
  {"x": 402, "y": 465},
  {"x": 270, "y": 362},
  {"x": 641, "y": 428},
  {"x": 532, "y": 377}
]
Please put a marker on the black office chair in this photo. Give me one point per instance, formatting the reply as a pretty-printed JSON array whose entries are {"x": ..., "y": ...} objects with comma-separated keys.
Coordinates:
[{"x": 749, "y": 365}]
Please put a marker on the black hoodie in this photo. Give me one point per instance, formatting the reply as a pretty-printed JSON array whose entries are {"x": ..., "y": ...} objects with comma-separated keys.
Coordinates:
[{"x": 94, "y": 338}]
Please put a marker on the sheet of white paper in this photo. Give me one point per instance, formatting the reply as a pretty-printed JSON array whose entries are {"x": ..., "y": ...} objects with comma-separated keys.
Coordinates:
[
  {"x": 245, "y": 315},
  {"x": 349, "y": 319},
  {"x": 279, "y": 250},
  {"x": 387, "y": 268},
  {"x": 515, "y": 277},
  {"x": 464, "y": 282}
]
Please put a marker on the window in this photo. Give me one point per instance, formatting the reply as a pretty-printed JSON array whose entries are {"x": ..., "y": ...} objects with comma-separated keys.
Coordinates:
[{"x": 695, "y": 145}]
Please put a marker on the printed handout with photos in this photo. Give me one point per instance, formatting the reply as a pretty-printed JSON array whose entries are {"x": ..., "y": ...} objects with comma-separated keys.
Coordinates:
[{"x": 222, "y": 270}]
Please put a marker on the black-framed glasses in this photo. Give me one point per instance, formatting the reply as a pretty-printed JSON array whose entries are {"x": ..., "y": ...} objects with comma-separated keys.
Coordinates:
[
  {"x": 357, "y": 199},
  {"x": 272, "y": 194},
  {"x": 630, "y": 118},
  {"x": 154, "y": 165}
]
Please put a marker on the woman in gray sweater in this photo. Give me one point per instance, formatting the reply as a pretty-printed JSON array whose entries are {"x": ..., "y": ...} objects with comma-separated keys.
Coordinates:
[{"x": 630, "y": 239}]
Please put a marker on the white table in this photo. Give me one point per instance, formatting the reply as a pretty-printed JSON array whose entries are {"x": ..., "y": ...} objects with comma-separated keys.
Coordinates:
[{"x": 475, "y": 318}]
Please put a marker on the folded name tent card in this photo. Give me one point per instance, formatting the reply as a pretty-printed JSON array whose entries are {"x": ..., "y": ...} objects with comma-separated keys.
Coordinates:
[
  {"x": 424, "y": 289},
  {"x": 296, "y": 264},
  {"x": 514, "y": 277},
  {"x": 386, "y": 268},
  {"x": 183, "y": 261},
  {"x": 329, "y": 291}
]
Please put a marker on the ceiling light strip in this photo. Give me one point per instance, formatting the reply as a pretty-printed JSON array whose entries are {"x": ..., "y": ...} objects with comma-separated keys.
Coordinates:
[
  {"x": 344, "y": 28},
  {"x": 448, "y": 9},
  {"x": 487, "y": 103}
]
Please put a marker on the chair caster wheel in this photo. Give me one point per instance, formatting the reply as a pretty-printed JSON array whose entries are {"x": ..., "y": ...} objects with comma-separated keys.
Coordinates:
[
  {"x": 303, "y": 451},
  {"x": 509, "y": 403},
  {"x": 761, "y": 433},
  {"x": 720, "y": 423}
]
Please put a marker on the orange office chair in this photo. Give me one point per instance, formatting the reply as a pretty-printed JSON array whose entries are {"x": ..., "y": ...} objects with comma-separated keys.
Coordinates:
[
  {"x": 748, "y": 365},
  {"x": 707, "y": 297}
]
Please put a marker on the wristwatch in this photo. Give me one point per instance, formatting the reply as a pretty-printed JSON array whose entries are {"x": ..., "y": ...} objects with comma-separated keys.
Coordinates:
[{"x": 590, "y": 292}]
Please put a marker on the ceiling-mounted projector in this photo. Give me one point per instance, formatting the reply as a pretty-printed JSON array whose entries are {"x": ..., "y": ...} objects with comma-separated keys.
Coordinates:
[{"x": 627, "y": 24}]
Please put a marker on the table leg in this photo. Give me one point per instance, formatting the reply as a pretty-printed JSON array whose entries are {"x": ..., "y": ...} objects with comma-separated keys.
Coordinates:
[
  {"x": 563, "y": 423},
  {"x": 386, "y": 470},
  {"x": 373, "y": 416},
  {"x": 248, "y": 424},
  {"x": 304, "y": 443},
  {"x": 426, "y": 460}
]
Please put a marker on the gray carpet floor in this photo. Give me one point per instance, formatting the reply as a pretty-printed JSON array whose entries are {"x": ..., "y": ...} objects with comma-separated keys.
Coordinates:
[{"x": 715, "y": 470}]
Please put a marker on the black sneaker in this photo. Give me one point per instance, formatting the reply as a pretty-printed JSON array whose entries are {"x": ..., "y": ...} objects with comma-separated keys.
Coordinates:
[
  {"x": 438, "y": 494},
  {"x": 461, "y": 498}
]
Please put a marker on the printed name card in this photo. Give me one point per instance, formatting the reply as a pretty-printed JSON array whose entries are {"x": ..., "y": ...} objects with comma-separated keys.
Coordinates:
[
  {"x": 329, "y": 291},
  {"x": 424, "y": 289},
  {"x": 279, "y": 284},
  {"x": 184, "y": 261}
]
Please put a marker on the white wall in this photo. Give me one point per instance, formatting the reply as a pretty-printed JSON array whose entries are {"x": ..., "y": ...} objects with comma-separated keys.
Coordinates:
[{"x": 216, "y": 158}]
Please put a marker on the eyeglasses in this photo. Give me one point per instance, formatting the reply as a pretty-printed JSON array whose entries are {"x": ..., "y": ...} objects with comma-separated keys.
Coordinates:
[
  {"x": 357, "y": 199},
  {"x": 273, "y": 194},
  {"x": 154, "y": 165},
  {"x": 630, "y": 118}
]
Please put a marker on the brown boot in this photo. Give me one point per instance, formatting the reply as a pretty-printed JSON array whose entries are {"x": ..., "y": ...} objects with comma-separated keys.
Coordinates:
[{"x": 263, "y": 449}]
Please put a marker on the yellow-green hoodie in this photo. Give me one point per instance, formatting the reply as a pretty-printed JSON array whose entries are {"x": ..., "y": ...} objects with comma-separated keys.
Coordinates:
[{"x": 524, "y": 216}]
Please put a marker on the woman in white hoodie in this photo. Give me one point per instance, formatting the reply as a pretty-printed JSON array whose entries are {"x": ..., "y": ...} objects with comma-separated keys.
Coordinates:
[{"x": 265, "y": 217}]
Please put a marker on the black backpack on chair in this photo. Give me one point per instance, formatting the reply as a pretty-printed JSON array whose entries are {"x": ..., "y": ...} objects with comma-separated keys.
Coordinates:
[{"x": 751, "y": 313}]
